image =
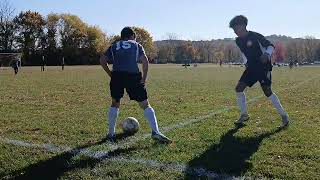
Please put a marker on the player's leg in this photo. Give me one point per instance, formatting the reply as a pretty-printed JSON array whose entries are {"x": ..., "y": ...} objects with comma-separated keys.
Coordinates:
[
  {"x": 117, "y": 91},
  {"x": 113, "y": 114},
  {"x": 241, "y": 97},
  {"x": 16, "y": 69},
  {"x": 138, "y": 92},
  {"x": 244, "y": 81},
  {"x": 266, "y": 87},
  {"x": 241, "y": 101},
  {"x": 276, "y": 103},
  {"x": 150, "y": 115}
]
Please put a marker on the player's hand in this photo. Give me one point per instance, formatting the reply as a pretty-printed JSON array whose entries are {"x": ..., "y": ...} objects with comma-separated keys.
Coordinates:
[{"x": 265, "y": 58}]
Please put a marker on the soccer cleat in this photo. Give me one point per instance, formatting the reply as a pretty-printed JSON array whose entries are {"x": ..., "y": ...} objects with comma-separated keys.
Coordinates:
[
  {"x": 242, "y": 119},
  {"x": 111, "y": 137},
  {"x": 160, "y": 138},
  {"x": 285, "y": 121}
]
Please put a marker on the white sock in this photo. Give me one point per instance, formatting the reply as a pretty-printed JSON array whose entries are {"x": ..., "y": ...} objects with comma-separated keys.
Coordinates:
[
  {"x": 241, "y": 99},
  {"x": 112, "y": 117},
  {"x": 151, "y": 116},
  {"x": 276, "y": 103}
]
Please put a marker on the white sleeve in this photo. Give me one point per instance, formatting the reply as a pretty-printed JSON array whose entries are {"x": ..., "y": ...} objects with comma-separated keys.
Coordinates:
[
  {"x": 270, "y": 50},
  {"x": 244, "y": 58}
]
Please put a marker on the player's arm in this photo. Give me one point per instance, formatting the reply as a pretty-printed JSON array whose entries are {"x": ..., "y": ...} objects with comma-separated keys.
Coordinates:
[
  {"x": 145, "y": 67},
  {"x": 104, "y": 63},
  {"x": 145, "y": 63},
  {"x": 105, "y": 58},
  {"x": 267, "y": 54}
]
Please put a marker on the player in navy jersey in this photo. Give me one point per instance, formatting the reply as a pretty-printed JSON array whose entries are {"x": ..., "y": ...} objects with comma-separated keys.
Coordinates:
[
  {"x": 125, "y": 75},
  {"x": 14, "y": 65},
  {"x": 256, "y": 51}
]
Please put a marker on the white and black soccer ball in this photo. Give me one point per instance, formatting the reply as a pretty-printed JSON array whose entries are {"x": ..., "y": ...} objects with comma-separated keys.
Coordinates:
[{"x": 130, "y": 125}]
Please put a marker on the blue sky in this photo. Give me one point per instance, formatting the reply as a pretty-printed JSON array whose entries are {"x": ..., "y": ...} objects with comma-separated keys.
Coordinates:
[{"x": 189, "y": 19}]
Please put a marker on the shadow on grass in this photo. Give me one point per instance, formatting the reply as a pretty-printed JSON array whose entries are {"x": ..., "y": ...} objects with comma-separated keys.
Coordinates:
[
  {"x": 230, "y": 156},
  {"x": 56, "y": 166},
  {"x": 122, "y": 136}
]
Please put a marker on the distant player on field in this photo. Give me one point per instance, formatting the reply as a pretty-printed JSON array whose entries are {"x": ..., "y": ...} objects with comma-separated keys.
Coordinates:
[
  {"x": 125, "y": 74},
  {"x": 62, "y": 64},
  {"x": 256, "y": 51},
  {"x": 43, "y": 63},
  {"x": 14, "y": 65}
]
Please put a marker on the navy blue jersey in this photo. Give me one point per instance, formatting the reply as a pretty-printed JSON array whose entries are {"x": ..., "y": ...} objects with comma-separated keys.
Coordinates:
[
  {"x": 14, "y": 64},
  {"x": 124, "y": 56},
  {"x": 253, "y": 45}
]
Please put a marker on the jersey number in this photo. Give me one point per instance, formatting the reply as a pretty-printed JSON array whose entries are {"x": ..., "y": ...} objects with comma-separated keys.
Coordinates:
[{"x": 123, "y": 45}]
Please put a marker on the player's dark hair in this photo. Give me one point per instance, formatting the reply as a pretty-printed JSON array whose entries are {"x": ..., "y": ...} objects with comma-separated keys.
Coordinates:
[
  {"x": 238, "y": 20},
  {"x": 127, "y": 32}
]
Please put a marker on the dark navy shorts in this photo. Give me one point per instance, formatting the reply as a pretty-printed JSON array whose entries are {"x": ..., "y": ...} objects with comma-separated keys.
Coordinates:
[
  {"x": 251, "y": 77},
  {"x": 131, "y": 82}
]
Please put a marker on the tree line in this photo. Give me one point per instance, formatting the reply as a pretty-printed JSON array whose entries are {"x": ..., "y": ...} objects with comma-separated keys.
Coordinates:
[
  {"x": 58, "y": 36},
  {"x": 287, "y": 49},
  {"x": 54, "y": 36}
]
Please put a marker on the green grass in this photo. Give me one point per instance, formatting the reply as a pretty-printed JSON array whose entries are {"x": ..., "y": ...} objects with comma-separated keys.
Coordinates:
[{"x": 67, "y": 108}]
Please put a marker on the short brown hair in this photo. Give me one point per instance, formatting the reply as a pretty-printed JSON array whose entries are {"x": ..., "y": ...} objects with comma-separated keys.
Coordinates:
[
  {"x": 127, "y": 32},
  {"x": 238, "y": 20}
]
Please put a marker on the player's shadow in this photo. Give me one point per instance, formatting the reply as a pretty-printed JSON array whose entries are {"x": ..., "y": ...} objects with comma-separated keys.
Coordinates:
[
  {"x": 56, "y": 166},
  {"x": 122, "y": 136},
  {"x": 230, "y": 155}
]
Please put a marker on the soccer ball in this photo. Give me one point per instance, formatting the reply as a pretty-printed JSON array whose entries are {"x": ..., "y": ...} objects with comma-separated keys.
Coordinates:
[{"x": 130, "y": 125}]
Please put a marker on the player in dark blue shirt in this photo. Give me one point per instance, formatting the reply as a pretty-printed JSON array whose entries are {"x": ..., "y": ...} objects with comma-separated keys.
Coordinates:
[
  {"x": 124, "y": 55},
  {"x": 256, "y": 51},
  {"x": 14, "y": 65}
]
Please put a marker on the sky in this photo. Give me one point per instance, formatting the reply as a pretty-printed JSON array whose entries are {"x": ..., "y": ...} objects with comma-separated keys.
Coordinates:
[{"x": 188, "y": 19}]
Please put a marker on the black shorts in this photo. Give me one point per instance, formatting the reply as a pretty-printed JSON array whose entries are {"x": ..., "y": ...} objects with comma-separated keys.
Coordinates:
[
  {"x": 251, "y": 77},
  {"x": 129, "y": 81}
]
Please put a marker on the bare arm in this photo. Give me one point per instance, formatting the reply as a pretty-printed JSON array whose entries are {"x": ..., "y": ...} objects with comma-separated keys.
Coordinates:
[
  {"x": 145, "y": 67},
  {"x": 104, "y": 64}
]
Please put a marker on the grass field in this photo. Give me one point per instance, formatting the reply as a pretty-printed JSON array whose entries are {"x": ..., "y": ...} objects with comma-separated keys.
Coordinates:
[{"x": 52, "y": 126}]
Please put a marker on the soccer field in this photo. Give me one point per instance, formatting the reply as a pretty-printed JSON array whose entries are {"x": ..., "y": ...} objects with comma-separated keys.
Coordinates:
[{"x": 52, "y": 126}]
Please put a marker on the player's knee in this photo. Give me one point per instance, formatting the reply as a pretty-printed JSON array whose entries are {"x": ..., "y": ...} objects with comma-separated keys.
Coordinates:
[
  {"x": 144, "y": 104},
  {"x": 239, "y": 89},
  {"x": 268, "y": 92},
  {"x": 115, "y": 104}
]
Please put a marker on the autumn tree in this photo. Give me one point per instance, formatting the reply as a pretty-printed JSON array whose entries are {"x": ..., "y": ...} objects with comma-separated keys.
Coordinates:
[
  {"x": 145, "y": 39},
  {"x": 30, "y": 27},
  {"x": 7, "y": 26}
]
